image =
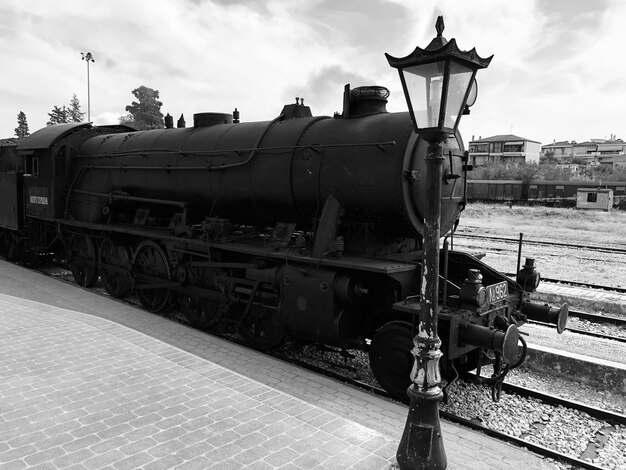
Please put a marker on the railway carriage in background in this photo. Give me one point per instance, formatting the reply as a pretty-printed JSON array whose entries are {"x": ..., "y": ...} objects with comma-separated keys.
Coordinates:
[
  {"x": 304, "y": 227},
  {"x": 562, "y": 193}
]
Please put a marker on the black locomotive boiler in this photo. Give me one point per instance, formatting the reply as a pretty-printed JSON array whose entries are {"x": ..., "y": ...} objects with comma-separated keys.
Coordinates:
[{"x": 302, "y": 227}]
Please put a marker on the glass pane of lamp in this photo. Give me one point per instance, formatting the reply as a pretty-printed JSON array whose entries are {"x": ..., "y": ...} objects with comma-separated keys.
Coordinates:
[
  {"x": 460, "y": 78},
  {"x": 424, "y": 84}
]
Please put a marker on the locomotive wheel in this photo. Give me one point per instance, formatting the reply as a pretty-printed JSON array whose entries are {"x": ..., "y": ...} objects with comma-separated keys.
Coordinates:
[
  {"x": 390, "y": 357},
  {"x": 4, "y": 243},
  {"x": 14, "y": 248},
  {"x": 115, "y": 278},
  {"x": 202, "y": 312},
  {"x": 150, "y": 260},
  {"x": 83, "y": 262},
  {"x": 262, "y": 328}
]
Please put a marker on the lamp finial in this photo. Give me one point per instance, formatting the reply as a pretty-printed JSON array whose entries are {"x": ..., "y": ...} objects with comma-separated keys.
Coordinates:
[{"x": 439, "y": 26}]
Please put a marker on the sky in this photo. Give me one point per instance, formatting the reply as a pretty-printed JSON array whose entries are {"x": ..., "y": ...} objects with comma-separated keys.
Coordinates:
[{"x": 558, "y": 71}]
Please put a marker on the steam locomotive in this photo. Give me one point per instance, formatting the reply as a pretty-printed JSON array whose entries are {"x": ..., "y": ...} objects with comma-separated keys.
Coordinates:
[{"x": 301, "y": 227}]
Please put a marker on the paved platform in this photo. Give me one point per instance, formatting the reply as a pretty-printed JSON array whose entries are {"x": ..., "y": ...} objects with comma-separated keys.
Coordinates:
[
  {"x": 611, "y": 302},
  {"x": 87, "y": 382}
]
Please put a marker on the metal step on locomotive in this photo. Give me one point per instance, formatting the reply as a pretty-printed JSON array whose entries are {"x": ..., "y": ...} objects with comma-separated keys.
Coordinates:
[{"x": 301, "y": 227}]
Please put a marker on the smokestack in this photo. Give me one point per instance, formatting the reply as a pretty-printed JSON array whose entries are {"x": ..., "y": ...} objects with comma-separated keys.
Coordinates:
[{"x": 169, "y": 121}]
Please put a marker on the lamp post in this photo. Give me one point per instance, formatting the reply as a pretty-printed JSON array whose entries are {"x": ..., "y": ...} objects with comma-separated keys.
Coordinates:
[
  {"x": 89, "y": 58},
  {"x": 438, "y": 83}
]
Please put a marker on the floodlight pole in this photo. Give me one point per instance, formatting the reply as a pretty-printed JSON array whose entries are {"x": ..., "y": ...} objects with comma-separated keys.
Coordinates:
[{"x": 89, "y": 58}]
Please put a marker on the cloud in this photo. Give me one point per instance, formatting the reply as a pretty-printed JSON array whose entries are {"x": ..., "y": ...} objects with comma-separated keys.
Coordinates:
[{"x": 552, "y": 59}]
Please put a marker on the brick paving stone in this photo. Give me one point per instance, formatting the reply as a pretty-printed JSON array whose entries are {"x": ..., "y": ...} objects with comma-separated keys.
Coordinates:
[
  {"x": 223, "y": 452},
  {"x": 193, "y": 423},
  {"x": 67, "y": 460},
  {"x": 171, "y": 422},
  {"x": 312, "y": 459},
  {"x": 17, "y": 453},
  {"x": 137, "y": 460},
  {"x": 164, "y": 463},
  {"x": 81, "y": 443},
  {"x": 139, "y": 445},
  {"x": 281, "y": 457},
  {"x": 54, "y": 441},
  {"x": 43, "y": 456},
  {"x": 230, "y": 464},
  {"x": 248, "y": 427},
  {"x": 24, "y": 439},
  {"x": 373, "y": 462},
  {"x": 278, "y": 442},
  {"x": 198, "y": 463},
  {"x": 108, "y": 445},
  {"x": 146, "y": 420},
  {"x": 99, "y": 461},
  {"x": 170, "y": 434},
  {"x": 15, "y": 465}
]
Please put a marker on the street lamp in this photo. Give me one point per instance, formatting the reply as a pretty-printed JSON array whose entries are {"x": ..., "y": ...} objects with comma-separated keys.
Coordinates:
[
  {"x": 89, "y": 58},
  {"x": 438, "y": 83}
]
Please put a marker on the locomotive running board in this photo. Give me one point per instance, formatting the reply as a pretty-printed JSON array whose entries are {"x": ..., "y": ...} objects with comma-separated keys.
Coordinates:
[{"x": 375, "y": 265}]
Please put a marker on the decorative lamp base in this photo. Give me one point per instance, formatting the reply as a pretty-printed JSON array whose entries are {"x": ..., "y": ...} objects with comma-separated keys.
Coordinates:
[{"x": 421, "y": 446}]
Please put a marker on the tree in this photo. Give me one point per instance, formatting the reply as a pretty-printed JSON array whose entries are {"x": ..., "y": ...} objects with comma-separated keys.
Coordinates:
[
  {"x": 58, "y": 116},
  {"x": 66, "y": 114},
  {"x": 74, "y": 113},
  {"x": 21, "y": 130},
  {"x": 145, "y": 113}
]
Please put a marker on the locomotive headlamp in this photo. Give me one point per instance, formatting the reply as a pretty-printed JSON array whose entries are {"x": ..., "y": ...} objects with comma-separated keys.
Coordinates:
[{"x": 438, "y": 83}]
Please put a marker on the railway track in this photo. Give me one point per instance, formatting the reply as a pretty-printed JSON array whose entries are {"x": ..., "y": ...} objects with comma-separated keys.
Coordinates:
[
  {"x": 588, "y": 285},
  {"x": 598, "y": 248},
  {"x": 595, "y": 320},
  {"x": 612, "y": 419}
]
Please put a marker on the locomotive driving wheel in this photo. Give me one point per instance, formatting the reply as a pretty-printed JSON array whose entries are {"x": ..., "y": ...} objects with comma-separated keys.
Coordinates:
[
  {"x": 261, "y": 327},
  {"x": 390, "y": 357},
  {"x": 152, "y": 270},
  {"x": 114, "y": 261},
  {"x": 14, "y": 248},
  {"x": 83, "y": 260},
  {"x": 201, "y": 311}
]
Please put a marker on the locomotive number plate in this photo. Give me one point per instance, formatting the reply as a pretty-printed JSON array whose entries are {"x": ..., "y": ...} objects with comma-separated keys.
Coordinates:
[{"x": 497, "y": 291}]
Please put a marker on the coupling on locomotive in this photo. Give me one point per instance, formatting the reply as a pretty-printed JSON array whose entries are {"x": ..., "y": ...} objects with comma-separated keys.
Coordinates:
[{"x": 303, "y": 227}]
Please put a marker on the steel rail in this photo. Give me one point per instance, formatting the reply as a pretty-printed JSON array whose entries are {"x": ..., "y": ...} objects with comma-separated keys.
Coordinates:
[
  {"x": 550, "y": 399},
  {"x": 589, "y": 285},
  {"x": 539, "y": 449},
  {"x": 602, "y": 249},
  {"x": 583, "y": 332},
  {"x": 585, "y": 284},
  {"x": 595, "y": 318}
]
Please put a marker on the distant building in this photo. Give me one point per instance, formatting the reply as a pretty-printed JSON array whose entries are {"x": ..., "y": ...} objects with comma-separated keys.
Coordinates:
[
  {"x": 503, "y": 149},
  {"x": 594, "y": 198},
  {"x": 562, "y": 151},
  {"x": 594, "y": 152}
]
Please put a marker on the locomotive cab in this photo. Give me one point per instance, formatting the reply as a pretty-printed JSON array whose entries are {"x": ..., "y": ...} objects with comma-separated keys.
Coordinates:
[{"x": 46, "y": 155}]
